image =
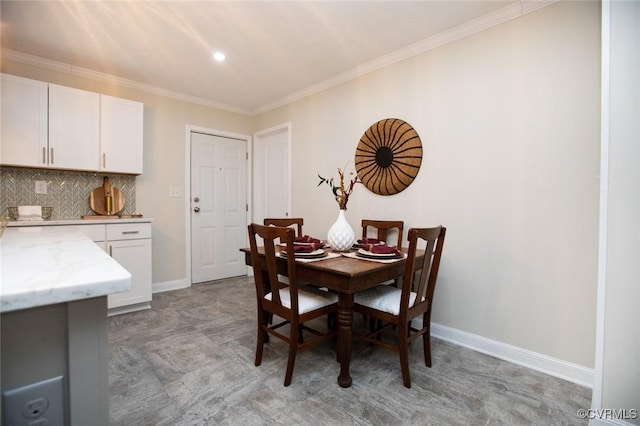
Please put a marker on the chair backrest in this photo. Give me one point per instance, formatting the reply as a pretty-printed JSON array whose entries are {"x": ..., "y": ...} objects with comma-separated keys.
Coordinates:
[
  {"x": 426, "y": 283},
  {"x": 286, "y": 221},
  {"x": 383, "y": 227},
  {"x": 268, "y": 282}
]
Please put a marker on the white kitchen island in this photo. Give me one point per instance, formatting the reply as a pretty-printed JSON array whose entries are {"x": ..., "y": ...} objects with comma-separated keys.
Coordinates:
[{"x": 53, "y": 299}]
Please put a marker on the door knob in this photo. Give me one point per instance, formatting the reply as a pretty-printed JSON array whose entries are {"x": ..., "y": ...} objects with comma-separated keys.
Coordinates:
[{"x": 196, "y": 209}]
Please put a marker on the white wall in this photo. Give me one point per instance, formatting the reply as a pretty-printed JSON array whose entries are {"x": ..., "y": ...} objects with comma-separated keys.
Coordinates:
[
  {"x": 509, "y": 121},
  {"x": 620, "y": 344}
]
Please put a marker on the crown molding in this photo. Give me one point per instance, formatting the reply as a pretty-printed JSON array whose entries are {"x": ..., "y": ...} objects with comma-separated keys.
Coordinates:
[
  {"x": 507, "y": 13},
  {"x": 498, "y": 17},
  {"x": 533, "y": 5},
  {"x": 37, "y": 61}
]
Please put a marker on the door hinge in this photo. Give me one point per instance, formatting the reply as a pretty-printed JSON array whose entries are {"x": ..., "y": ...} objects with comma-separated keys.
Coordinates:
[
  {"x": 246, "y": 207},
  {"x": 246, "y": 155}
]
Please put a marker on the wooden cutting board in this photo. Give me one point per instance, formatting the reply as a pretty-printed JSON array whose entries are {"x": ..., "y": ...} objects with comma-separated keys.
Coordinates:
[{"x": 98, "y": 197}]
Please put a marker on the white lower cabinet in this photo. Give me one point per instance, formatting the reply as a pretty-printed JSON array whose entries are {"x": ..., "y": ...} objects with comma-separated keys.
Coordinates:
[{"x": 130, "y": 245}]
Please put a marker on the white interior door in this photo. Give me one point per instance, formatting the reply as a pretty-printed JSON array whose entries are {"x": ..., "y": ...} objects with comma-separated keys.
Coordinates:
[
  {"x": 271, "y": 174},
  {"x": 218, "y": 207}
]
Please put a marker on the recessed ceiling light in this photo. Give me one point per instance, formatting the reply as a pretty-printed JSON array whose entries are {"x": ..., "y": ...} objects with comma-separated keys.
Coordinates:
[{"x": 219, "y": 56}]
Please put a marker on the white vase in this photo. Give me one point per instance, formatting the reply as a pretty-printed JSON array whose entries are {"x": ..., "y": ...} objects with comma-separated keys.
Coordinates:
[{"x": 341, "y": 236}]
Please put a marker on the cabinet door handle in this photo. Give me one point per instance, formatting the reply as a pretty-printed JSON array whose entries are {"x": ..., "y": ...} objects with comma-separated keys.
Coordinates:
[
  {"x": 130, "y": 232},
  {"x": 44, "y": 155},
  {"x": 111, "y": 251},
  {"x": 52, "y": 156},
  {"x": 104, "y": 160}
]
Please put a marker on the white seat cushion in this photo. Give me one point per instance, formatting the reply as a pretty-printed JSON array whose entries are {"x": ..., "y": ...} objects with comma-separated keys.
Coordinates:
[
  {"x": 384, "y": 298},
  {"x": 309, "y": 298}
]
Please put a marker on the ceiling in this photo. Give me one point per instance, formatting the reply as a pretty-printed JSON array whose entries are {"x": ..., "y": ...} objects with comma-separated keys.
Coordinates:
[{"x": 277, "y": 51}]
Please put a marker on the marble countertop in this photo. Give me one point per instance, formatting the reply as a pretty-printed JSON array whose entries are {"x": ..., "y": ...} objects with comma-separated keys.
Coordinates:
[
  {"x": 43, "y": 266},
  {"x": 75, "y": 221}
]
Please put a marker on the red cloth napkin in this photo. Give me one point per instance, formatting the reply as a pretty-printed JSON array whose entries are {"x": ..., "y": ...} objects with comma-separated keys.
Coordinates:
[
  {"x": 306, "y": 239},
  {"x": 304, "y": 248},
  {"x": 369, "y": 241},
  {"x": 384, "y": 249}
]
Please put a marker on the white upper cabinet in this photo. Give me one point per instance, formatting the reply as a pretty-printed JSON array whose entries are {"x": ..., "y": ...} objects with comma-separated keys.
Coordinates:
[
  {"x": 74, "y": 128},
  {"x": 121, "y": 122},
  {"x": 23, "y": 136},
  {"x": 57, "y": 127}
]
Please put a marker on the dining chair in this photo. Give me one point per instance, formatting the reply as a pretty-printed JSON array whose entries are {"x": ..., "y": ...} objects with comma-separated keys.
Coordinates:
[
  {"x": 286, "y": 221},
  {"x": 288, "y": 304},
  {"x": 383, "y": 227},
  {"x": 394, "y": 308},
  {"x": 292, "y": 222}
]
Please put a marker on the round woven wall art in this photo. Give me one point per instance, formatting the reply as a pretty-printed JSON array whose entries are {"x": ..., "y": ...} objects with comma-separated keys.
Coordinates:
[{"x": 388, "y": 156}]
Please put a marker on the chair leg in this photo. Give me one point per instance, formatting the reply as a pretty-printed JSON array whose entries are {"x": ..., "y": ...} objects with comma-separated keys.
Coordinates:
[
  {"x": 379, "y": 324},
  {"x": 372, "y": 324},
  {"x": 293, "y": 347},
  {"x": 260, "y": 344},
  {"x": 403, "y": 351},
  {"x": 264, "y": 318},
  {"x": 332, "y": 321},
  {"x": 426, "y": 343}
]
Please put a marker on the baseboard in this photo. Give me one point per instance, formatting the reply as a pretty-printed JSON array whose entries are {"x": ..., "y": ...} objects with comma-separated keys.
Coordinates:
[
  {"x": 128, "y": 308},
  {"x": 555, "y": 367},
  {"x": 169, "y": 286}
]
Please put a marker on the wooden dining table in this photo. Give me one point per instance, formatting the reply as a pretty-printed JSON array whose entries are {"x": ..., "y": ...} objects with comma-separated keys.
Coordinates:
[{"x": 346, "y": 276}]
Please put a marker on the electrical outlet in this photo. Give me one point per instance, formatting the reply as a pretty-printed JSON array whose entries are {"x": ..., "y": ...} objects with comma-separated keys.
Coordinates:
[
  {"x": 41, "y": 187},
  {"x": 39, "y": 403},
  {"x": 35, "y": 408}
]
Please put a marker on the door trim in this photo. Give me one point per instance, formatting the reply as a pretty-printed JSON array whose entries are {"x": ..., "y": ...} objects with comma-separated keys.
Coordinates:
[
  {"x": 258, "y": 137},
  {"x": 187, "y": 184}
]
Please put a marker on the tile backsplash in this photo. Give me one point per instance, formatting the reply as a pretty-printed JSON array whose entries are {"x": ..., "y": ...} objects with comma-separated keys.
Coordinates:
[{"x": 67, "y": 192}]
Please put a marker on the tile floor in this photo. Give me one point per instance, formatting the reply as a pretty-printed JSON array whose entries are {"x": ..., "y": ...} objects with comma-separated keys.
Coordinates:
[{"x": 190, "y": 361}]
